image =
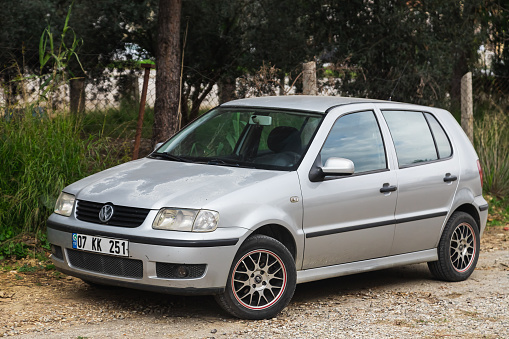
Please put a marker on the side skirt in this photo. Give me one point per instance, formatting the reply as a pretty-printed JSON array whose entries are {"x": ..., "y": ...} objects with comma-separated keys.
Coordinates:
[{"x": 366, "y": 265}]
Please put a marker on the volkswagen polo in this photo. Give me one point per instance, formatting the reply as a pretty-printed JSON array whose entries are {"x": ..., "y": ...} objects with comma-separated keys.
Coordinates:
[{"x": 260, "y": 194}]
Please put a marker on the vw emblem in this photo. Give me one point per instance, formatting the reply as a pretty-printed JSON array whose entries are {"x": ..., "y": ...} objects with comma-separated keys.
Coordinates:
[{"x": 106, "y": 213}]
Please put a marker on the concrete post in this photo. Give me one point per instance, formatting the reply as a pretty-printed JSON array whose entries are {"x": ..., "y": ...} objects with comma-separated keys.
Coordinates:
[
  {"x": 467, "y": 106},
  {"x": 309, "y": 78}
]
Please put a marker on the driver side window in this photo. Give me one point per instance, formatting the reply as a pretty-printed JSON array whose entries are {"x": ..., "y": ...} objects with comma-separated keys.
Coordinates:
[{"x": 356, "y": 136}]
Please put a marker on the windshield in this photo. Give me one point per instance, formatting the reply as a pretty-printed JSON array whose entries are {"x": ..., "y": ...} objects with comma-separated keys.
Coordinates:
[{"x": 256, "y": 138}]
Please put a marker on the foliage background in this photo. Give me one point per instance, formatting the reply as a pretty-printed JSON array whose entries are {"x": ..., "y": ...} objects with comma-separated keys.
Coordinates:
[{"x": 412, "y": 51}]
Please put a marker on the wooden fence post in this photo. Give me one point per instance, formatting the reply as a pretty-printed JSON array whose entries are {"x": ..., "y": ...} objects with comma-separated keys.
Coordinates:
[
  {"x": 141, "y": 113},
  {"x": 309, "y": 86},
  {"x": 467, "y": 106}
]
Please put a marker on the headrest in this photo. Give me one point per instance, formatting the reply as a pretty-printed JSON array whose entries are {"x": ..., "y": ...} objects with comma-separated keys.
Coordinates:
[{"x": 284, "y": 138}]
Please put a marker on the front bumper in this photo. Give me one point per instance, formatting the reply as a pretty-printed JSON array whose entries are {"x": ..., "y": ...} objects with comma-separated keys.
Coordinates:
[{"x": 148, "y": 251}]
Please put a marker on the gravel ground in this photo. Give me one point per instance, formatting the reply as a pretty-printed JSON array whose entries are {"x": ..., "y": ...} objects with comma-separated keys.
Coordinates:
[{"x": 399, "y": 302}]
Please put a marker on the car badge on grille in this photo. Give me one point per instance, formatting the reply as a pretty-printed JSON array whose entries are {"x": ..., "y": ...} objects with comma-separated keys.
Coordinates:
[{"x": 106, "y": 213}]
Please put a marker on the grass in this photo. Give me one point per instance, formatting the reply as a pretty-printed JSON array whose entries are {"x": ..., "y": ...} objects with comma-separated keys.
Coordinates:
[
  {"x": 491, "y": 140},
  {"x": 118, "y": 123},
  {"x": 40, "y": 156},
  {"x": 498, "y": 212}
]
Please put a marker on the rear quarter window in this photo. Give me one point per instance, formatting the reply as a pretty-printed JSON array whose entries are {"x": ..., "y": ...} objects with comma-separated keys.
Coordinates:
[
  {"x": 418, "y": 137},
  {"x": 442, "y": 141}
]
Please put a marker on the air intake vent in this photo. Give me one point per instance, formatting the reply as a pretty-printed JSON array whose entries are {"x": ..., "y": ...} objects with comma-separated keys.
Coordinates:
[
  {"x": 179, "y": 271},
  {"x": 120, "y": 267}
]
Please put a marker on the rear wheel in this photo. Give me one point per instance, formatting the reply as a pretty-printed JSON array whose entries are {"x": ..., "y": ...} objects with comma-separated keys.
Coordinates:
[
  {"x": 261, "y": 281},
  {"x": 458, "y": 249}
]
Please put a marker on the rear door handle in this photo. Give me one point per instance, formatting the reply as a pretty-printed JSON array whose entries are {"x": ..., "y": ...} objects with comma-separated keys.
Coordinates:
[
  {"x": 388, "y": 188},
  {"x": 450, "y": 178}
]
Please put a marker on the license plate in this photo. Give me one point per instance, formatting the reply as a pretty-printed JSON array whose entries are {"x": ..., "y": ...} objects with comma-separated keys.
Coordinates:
[{"x": 100, "y": 244}]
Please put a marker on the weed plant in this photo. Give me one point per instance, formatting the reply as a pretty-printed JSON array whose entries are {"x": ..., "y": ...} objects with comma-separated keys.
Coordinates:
[
  {"x": 38, "y": 158},
  {"x": 118, "y": 123},
  {"x": 491, "y": 140}
]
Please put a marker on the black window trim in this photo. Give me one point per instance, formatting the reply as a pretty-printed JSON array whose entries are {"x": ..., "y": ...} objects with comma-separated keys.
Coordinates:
[
  {"x": 386, "y": 169},
  {"x": 432, "y": 135}
]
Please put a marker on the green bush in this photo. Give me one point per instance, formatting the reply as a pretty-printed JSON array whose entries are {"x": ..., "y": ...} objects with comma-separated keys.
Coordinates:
[
  {"x": 491, "y": 140},
  {"x": 39, "y": 157}
]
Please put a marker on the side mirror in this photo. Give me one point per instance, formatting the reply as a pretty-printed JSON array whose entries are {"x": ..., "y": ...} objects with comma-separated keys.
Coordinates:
[{"x": 338, "y": 166}]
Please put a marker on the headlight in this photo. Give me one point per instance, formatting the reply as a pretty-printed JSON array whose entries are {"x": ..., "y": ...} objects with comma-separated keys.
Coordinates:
[
  {"x": 186, "y": 220},
  {"x": 64, "y": 204},
  {"x": 206, "y": 221}
]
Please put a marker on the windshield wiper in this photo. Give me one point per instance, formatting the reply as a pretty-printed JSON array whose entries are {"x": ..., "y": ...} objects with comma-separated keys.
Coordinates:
[
  {"x": 168, "y": 156},
  {"x": 217, "y": 161},
  {"x": 228, "y": 162}
]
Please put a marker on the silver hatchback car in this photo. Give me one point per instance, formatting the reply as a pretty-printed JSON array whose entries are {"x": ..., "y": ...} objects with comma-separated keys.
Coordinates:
[{"x": 261, "y": 194}]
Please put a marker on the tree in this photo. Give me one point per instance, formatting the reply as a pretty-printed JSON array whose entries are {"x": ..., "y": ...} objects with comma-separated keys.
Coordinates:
[
  {"x": 22, "y": 25},
  {"x": 168, "y": 70},
  {"x": 497, "y": 16},
  {"x": 413, "y": 51},
  {"x": 237, "y": 38},
  {"x": 106, "y": 27}
]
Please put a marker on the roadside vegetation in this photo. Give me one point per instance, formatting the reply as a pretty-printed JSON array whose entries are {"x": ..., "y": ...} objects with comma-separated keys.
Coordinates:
[
  {"x": 42, "y": 149},
  {"x": 491, "y": 140},
  {"x": 39, "y": 157}
]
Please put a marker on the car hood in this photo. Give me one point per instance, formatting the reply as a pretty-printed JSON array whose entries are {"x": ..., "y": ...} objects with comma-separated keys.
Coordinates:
[{"x": 153, "y": 184}]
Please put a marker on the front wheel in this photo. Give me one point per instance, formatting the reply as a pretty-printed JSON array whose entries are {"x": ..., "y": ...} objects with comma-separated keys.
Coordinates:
[
  {"x": 261, "y": 281},
  {"x": 458, "y": 249}
]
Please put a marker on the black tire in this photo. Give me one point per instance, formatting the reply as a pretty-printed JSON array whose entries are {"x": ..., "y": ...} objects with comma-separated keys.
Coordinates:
[
  {"x": 254, "y": 291},
  {"x": 458, "y": 249}
]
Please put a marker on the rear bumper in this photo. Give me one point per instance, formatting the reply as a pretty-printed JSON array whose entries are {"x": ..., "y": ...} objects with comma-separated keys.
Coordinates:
[{"x": 482, "y": 206}]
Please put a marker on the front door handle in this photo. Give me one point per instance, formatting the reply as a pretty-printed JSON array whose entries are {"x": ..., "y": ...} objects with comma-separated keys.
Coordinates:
[
  {"x": 450, "y": 178},
  {"x": 388, "y": 188}
]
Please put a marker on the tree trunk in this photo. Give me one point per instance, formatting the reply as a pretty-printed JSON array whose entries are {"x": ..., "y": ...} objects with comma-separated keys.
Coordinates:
[
  {"x": 77, "y": 95},
  {"x": 226, "y": 89},
  {"x": 168, "y": 70},
  {"x": 459, "y": 69}
]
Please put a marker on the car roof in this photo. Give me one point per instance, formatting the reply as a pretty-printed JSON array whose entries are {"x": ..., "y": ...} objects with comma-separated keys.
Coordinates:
[{"x": 299, "y": 102}]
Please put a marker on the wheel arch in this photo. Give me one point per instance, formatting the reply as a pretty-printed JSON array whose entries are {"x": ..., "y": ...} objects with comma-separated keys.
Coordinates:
[
  {"x": 281, "y": 234},
  {"x": 472, "y": 211}
]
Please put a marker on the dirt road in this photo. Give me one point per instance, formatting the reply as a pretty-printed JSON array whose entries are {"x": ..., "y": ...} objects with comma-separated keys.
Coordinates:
[{"x": 398, "y": 302}]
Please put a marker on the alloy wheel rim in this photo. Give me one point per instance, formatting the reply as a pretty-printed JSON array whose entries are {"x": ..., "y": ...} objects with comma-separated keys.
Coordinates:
[
  {"x": 463, "y": 247},
  {"x": 259, "y": 279}
]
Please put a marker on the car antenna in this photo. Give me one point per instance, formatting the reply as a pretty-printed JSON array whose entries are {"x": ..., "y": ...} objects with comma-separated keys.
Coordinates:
[{"x": 404, "y": 68}]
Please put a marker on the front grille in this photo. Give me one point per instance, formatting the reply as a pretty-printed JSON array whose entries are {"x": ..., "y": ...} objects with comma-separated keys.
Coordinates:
[
  {"x": 120, "y": 267},
  {"x": 171, "y": 271},
  {"x": 122, "y": 216}
]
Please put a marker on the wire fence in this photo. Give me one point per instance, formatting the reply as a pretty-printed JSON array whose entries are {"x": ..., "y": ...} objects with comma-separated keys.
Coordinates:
[{"x": 117, "y": 86}]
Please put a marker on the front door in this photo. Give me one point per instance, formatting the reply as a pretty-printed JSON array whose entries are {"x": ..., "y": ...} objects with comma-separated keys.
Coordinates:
[{"x": 348, "y": 218}]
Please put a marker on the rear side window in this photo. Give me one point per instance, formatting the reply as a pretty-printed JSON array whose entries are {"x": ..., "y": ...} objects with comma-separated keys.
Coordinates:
[
  {"x": 356, "y": 136},
  {"x": 417, "y": 136}
]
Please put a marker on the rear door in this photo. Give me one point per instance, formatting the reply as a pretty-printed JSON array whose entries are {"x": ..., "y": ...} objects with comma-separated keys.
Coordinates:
[{"x": 428, "y": 173}]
